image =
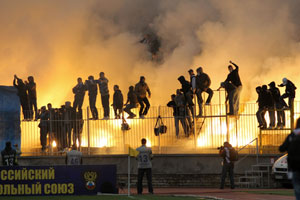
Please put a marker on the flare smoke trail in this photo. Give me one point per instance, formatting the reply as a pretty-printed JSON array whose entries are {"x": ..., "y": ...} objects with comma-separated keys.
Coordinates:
[{"x": 57, "y": 41}]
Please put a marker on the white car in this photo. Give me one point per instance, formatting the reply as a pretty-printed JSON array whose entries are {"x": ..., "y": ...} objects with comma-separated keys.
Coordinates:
[{"x": 280, "y": 170}]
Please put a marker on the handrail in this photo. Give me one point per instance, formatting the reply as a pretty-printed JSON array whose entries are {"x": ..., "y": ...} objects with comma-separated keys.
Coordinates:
[{"x": 255, "y": 139}]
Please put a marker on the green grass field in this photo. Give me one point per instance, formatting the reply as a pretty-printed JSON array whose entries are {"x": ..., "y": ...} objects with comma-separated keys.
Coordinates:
[{"x": 104, "y": 197}]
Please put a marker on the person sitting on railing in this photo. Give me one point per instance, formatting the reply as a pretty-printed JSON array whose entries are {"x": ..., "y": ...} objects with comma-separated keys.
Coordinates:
[
  {"x": 202, "y": 85},
  {"x": 234, "y": 78},
  {"x": 141, "y": 90},
  {"x": 290, "y": 91},
  {"x": 131, "y": 102},
  {"x": 279, "y": 104}
]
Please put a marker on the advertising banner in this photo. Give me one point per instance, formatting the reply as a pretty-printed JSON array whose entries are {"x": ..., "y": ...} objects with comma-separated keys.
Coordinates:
[{"x": 57, "y": 180}]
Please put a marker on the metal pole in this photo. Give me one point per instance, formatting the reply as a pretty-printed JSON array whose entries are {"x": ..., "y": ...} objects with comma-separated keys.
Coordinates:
[
  {"x": 128, "y": 175},
  {"x": 88, "y": 129},
  {"x": 159, "y": 147},
  {"x": 256, "y": 150},
  {"x": 50, "y": 133},
  {"x": 194, "y": 120}
]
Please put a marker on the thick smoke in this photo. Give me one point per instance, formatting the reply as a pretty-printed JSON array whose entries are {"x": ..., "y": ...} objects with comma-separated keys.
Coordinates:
[{"x": 58, "y": 41}]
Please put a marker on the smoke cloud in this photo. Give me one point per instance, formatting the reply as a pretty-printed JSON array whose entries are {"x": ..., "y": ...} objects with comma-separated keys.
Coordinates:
[{"x": 57, "y": 41}]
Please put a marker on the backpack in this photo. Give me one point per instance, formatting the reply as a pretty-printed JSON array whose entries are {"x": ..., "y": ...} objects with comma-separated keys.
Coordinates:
[{"x": 233, "y": 155}]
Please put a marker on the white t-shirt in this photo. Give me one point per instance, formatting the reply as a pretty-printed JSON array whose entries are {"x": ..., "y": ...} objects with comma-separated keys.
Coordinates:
[
  {"x": 144, "y": 157},
  {"x": 74, "y": 157}
]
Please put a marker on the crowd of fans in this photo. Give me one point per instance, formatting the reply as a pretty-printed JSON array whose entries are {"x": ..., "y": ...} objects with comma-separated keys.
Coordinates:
[{"x": 269, "y": 99}]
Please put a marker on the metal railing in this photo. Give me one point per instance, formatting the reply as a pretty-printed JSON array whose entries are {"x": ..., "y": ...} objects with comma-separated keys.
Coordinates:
[{"x": 209, "y": 132}]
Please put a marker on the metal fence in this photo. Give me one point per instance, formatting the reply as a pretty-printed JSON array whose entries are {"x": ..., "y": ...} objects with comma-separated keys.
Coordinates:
[{"x": 209, "y": 132}]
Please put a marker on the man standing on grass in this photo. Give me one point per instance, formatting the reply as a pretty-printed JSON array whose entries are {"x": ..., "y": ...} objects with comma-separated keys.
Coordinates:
[{"x": 144, "y": 165}]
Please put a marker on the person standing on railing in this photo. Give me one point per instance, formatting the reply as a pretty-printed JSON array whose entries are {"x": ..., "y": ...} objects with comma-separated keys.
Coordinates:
[
  {"x": 292, "y": 146},
  {"x": 229, "y": 88},
  {"x": 202, "y": 84},
  {"x": 31, "y": 90},
  {"x": 104, "y": 92},
  {"x": 79, "y": 93},
  {"x": 141, "y": 90},
  {"x": 279, "y": 104},
  {"x": 144, "y": 166},
  {"x": 186, "y": 88},
  {"x": 131, "y": 102},
  {"x": 270, "y": 105},
  {"x": 228, "y": 164},
  {"x": 23, "y": 96},
  {"x": 290, "y": 91},
  {"x": 117, "y": 102},
  {"x": 91, "y": 86},
  {"x": 234, "y": 78},
  {"x": 260, "y": 114}
]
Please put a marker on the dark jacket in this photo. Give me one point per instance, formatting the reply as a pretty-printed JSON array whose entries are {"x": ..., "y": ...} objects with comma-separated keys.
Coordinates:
[
  {"x": 173, "y": 105},
  {"x": 291, "y": 145},
  {"x": 275, "y": 94},
  {"x": 91, "y": 86},
  {"x": 132, "y": 98},
  {"x": 118, "y": 99},
  {"x": 290, "y": 89},
  {"x": 141, "y": 89},
  {"x": 9, "y": 157},
  {"x": 234, "y": 77},
  {"x": 202, "y": 81},
  {"x": 185, "y": 85},
  {"x": 103, "y": 86},
  {"x": 79, "y": 90},
  {"x": 31, "y": 88},
  {"x": 21, "y": 87}
]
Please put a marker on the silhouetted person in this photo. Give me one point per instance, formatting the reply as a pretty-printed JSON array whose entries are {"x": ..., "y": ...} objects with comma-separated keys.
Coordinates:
[
  {"x": 228, "y": 165},
  {"x": 103, "y": 88},
  {"x": 229, "y": 88},
  {"x": 23, "y": 96},
  {"x": 31, "y": 89},
  {"x": 202, "y": 85},
  {"x": 186, "y": 88},
  {"x": 9, "y": 155},
  {"x": 144, "y": 166},
  {"x": 183, "y": 113},
  {"x": 117, "y": 102},
  {"x": 260, "y": 114},
  {"x": 79, "y": 92},
  {"x": 141, "y": 90},
  {"x": 131, "y": 102},
  {"x": 279, "y": 104},
  {"x": 68, "y": 118},
  {"x": 77, "y": 129},
  {"x": 291, "y": 145},
  {"x": 234, "y": 78},
  {"x": 290, "y": 91},
  {"x": 91, "y": 86},
  {"x": 43, "y": 115},
  {"x": 270, "y": 105}
]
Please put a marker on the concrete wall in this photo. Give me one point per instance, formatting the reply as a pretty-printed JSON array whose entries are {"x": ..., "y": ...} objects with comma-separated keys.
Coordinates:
[{"x": 168, "y": 170}]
